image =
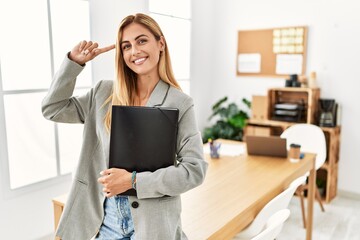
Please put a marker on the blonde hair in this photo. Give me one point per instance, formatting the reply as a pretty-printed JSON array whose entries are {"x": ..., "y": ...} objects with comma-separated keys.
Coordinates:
[{"x": 124, "y": 88}]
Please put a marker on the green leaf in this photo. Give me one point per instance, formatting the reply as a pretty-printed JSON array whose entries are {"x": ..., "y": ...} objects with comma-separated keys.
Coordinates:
[
  {"x": 232, "y": 110},
  {"x": 230, "y": 123},
  {"x": 208, "y": 133},
  {"x": 218, "y": 103},
  {"x": 238, "y": 121},
  {"x": 246, "y": 102},
  {"x": 226, "y": 131},
  {"x": 221, "y": 112}
]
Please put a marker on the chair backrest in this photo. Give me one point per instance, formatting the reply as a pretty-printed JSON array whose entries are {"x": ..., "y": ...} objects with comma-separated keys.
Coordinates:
[
  {"x": 278, "y": 203},
  {"x": 273, "y": 226},
  {"x": 310, "y": 137}
]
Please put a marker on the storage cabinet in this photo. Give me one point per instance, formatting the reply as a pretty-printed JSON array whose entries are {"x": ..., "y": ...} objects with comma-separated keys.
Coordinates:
[
  {"x": 331, "y": 165},
  {"x": 293, "y": 104},
  {"x": 327, "y": 175}
]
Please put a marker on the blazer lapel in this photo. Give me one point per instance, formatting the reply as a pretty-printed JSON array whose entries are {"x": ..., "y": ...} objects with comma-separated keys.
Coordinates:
[{"x": 158, "y": 96}]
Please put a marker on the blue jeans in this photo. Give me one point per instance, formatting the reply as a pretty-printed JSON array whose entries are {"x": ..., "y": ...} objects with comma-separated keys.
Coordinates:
[{"x": 117, "y": 223}]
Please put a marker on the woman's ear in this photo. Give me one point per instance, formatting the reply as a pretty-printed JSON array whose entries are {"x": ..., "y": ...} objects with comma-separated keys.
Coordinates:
[{"x": 162, "y": 43}]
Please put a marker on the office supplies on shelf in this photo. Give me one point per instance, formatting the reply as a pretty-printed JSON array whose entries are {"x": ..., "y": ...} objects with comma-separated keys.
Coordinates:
[
  {"x": 288, "y": 111},
  {"x": 143, "y": 138},
  {"x": 302, "y": 101}
]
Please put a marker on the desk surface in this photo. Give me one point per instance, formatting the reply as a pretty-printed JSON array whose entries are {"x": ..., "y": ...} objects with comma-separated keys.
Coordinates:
[{"x": 234, "y": 191}]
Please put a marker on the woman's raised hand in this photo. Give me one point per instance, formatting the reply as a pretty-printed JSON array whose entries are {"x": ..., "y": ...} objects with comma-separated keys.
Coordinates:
[{"x": 86, "y": 51}]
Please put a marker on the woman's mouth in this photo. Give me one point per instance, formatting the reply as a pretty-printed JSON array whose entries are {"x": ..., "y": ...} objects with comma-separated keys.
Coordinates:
[{"x": 140, "y": 61}]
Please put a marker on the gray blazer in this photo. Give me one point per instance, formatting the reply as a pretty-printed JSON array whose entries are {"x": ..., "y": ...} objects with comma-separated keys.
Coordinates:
[{"x": 157, "y": 208}]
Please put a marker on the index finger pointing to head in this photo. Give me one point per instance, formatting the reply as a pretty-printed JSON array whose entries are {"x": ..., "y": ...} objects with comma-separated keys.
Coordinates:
[{"x": 106, "y": 49}]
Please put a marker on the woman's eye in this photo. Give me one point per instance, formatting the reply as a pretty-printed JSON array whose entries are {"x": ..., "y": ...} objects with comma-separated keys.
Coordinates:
[
  {"x": 126, "y": 46},
  {"x": 142, "y": 41}
]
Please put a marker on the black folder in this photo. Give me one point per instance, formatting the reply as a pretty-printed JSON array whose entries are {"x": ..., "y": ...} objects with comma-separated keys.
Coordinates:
[{"x": 143, "y": 138}]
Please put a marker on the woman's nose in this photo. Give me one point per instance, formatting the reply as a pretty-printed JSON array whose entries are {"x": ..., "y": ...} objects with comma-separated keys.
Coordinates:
[{"x": 135, "y": 50}]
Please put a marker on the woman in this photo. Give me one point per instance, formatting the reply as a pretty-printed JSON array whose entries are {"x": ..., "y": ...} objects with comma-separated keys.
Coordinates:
[{"x": 143, "y": 78}]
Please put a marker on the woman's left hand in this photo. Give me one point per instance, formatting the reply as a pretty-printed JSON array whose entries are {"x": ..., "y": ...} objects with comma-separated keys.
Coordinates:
[{"x": 115, "y": 181}]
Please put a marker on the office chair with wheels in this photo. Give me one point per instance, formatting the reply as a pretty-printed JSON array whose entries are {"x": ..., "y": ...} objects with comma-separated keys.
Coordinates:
[
  {"x": 312, "y": 140},
  {"x": 278, "y": 203},
  {"x": 273, "y": 225}
]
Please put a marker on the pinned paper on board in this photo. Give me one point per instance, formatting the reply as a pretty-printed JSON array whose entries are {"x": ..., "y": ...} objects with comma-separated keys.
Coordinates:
[
  {"x": 249, "y": 63},
  {"x": 289, "y": 63},
  {"x": 289, "y": 40}
]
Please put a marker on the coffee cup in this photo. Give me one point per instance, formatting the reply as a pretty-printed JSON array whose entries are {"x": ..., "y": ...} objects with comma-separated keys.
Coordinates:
[{"x": 294, "y": 152}]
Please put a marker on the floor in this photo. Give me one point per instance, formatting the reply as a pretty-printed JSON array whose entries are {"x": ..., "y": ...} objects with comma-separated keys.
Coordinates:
[{"x": 340, "y": 221}]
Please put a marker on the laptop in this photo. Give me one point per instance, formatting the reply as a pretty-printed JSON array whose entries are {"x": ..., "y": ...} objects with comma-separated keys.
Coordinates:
[
  {"x": 272, "y": 146},
  {"x": 143, "y": 138}
]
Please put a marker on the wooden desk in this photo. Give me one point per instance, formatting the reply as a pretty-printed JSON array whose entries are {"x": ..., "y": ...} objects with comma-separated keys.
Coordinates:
[
  {"x": 59, "y": 204},
  {"x": 234, "y": 191}
]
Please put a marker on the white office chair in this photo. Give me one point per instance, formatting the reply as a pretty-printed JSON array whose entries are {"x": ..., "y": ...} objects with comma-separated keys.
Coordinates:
[
  {"x": 312, "y": 140},
  {"x": 278, "y": 203},
  {"x": 273, "y": 226}
]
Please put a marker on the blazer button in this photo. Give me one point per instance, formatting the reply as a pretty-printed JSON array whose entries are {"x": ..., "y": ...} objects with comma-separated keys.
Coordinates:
[{"x": 135, "y": 204}]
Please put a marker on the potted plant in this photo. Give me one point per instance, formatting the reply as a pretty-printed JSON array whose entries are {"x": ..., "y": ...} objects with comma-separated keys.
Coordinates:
[{"x": 231, "y": 120}]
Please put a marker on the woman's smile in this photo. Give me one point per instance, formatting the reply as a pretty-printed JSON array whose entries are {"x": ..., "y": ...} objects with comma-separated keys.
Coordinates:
[{"x": 140, "y": 61}]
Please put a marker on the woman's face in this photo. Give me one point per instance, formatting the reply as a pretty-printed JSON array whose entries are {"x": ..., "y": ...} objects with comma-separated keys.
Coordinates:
[{"x": 141, "y": 51}]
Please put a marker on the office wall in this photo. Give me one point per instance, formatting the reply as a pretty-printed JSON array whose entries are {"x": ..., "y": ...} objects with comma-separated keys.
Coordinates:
[
  {"x": 105, "y": 17},
  {"x": 29, "y": 214},
  {"x": 333, "y": 52},
  {"x": 202, "y": 58}
]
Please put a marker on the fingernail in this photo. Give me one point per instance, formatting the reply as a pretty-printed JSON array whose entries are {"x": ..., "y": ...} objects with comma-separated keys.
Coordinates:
[{"x": 101, "y": 173}]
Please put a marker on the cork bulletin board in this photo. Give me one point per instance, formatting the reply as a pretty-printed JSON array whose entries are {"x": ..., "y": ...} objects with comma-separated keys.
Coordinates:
[{"x": 276, "y": 52}]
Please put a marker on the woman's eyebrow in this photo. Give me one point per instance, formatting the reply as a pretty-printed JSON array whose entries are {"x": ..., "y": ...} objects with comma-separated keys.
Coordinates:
[{"x": 141, "y": 35}]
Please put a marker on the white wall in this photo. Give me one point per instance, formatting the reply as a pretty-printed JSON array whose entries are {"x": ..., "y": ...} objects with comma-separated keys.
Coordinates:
[
  {"x": 29, "y": 214},
  {"x": 333, "y": 52},
  {"x": 202, "y": 57},
  {"x": 105, "y": 17}
]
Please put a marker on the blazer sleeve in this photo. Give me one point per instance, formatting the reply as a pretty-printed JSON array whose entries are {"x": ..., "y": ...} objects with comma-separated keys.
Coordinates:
[
  {"x": 59, "y": 105},
  {"x": 191, "y": 170}
]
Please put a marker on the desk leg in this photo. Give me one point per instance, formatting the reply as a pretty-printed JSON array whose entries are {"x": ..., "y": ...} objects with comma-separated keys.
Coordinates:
[
  {"x": 310, "y": 199},
  {"x": 57, "y": 214}
]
